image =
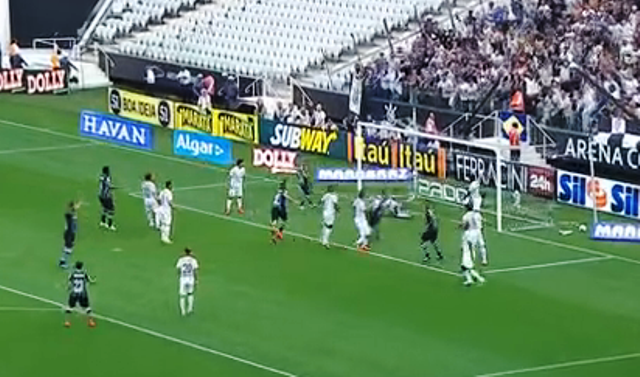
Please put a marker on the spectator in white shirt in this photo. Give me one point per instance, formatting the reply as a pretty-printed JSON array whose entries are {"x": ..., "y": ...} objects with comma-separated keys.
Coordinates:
[{"x": 319, "y": 116}]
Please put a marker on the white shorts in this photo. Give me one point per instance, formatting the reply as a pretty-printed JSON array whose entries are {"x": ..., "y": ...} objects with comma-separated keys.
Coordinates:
[
  {"x": 477, "y": 203},
  {"x": 235, "y": 191},
  {"x": 328, "y": 219},
  {"x": 187, "y": 286},
  {"x": 164, "y": 217},
  {"x": 150, "y": 205},
  {"x": 363, "y": 227}
]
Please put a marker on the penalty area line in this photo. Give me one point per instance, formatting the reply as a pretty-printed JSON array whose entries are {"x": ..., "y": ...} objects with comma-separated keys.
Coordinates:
[
  {"x": 546, "y": 265},
  {"x": 45, "y": 149},
  {"x": 562, "y": 365},
  {"x": 27, "y": 309},
  {"x": 304, "y": 236},
  {"x": 156, "y": 334}
]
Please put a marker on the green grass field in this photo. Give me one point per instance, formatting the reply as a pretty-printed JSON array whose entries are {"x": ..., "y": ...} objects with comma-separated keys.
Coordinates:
[{"x": 553, "y": 306}]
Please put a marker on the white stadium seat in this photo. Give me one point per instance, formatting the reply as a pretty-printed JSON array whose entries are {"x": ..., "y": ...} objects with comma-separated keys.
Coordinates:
[{"x": 258, "y": 38}]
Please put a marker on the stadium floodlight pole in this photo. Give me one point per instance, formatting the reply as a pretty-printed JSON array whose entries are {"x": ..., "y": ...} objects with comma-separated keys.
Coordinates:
[{"x": 442, "y": 139}]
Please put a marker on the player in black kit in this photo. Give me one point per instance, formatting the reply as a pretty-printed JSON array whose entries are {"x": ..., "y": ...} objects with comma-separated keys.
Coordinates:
[
  {"x": 105, "y": 195},
  {"x": 279, "y": 215},
  {"x": 304, "y": 183},
  {"x": 430, "y": 236},
  {"x": 79, "y": 282},
  {"x": 70, "y": 232}
]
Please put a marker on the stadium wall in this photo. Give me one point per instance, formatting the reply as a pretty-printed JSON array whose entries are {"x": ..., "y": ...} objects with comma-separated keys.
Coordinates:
[{"x": 32, "y": 19}]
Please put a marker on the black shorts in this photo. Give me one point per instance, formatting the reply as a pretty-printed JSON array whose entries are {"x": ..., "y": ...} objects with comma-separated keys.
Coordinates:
[
  {"x": 69, "y": 239},
  {"x": 278, "y": 214},
  {"x": 107, "y": 205},
  {"x": 306, "y": 189},
  {"x": 429, "y": 236},
  {"x": 81, "y": 299}
]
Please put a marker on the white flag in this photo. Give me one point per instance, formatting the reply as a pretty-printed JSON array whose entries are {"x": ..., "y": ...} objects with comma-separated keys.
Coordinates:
[{"x": 355, "y": 96}]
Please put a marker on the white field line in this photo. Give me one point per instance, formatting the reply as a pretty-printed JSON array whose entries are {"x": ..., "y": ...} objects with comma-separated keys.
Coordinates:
[
  {"x": 217, "y": 168},
  {"x": 213, "y": 185},
  {"x": 563, "y": 365},
  {"x": 304, "y": 236},
  {"x": 27, "y": 309},
  {"x": 45, "y": 149},
  {"x": 123, "y": 148},
  {"x": 157, "y": 334},
  {"x": 546, "y": 265},
  {"x": 563, "y": 245}
]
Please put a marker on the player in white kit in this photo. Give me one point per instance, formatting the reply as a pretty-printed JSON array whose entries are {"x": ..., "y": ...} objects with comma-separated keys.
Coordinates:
[
  {"x": 471, "y": 239},
  {"x": 188, "y": 274},
  {"x": 150, "y": 196},
  {"x": 329, "y": 209},
  {"x": 362, "y": 225},
  {"x": 165, "y": 212},
  {"x": 474, "y": 195},
  {"x": 236, "y": 186}
]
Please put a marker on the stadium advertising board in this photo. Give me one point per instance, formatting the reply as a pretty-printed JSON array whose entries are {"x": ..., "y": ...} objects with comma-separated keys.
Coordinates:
[
  {"x": 536, "y": 180},
  {"x": 115, "y": 129},
  {"x": 427, "y": 159},
  {"x": 202, "y": 147},
  {"x": 34, "y": 81},
  {"x": 603, "y": 231},
  {"x": 46, "y": 81},
  {"x": 441, "y": 191},
  {"x": 383, "y": 175},
  {"x": 193, "y": 118},
  {"x": 277, "y": 160},
  {"x": 606, "y": 195},
  {"x": 236, "y": 126},
  {"x": 140, "y": 107},
  {"x": 11, "y": 80},
  {"x": 600, "y": 152},
  {"x": 331, "y": 143}
]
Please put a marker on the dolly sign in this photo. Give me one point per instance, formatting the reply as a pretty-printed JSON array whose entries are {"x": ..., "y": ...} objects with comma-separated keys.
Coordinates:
[{"x": 34, "y": 82}]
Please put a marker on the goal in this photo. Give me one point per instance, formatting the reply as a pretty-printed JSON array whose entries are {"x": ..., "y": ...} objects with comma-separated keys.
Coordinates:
[{"x": 442, "y": 169}]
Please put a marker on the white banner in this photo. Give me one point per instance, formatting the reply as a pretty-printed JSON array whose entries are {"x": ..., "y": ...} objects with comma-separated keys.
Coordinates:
[{"x": 355, "y": 96}]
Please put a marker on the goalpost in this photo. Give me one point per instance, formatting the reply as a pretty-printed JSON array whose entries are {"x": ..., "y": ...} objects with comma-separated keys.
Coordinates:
[
  {"x": 413, "y": 137},
  {"x": 511, "y": 190}
]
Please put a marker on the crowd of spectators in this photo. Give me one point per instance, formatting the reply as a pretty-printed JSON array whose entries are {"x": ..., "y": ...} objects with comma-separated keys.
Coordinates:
[
  {"x": 526, "y": 46},
  {"x": 313, "y": 116}
]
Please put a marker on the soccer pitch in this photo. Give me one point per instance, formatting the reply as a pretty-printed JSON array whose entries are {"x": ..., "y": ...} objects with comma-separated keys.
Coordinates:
[{"x": 553, "y": 306}]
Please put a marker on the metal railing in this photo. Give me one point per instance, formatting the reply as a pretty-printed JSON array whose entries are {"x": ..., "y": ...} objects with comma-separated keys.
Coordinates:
[{"x": 64, "y": 43}]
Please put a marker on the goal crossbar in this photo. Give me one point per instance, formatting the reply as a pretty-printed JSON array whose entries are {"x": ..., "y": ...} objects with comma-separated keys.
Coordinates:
[{"x": 442, "y": 139}]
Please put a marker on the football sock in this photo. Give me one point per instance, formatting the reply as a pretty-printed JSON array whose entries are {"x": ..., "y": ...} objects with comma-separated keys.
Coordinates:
[
  {"x": 438, "y": 251},
  {"x": 189, "y": 303},
  {"x": 467, "y": 277},
  {"x": 65, "y": 256},
  {"x": 164, "y": 232},
  {"x": 110, "y": 221},
  {"x": 326, "y": 232},
  {"x": 183, "y": 305},
  {"x": 150, "y": 217},
  {"x": 476, "y": 275},
  {"x": 239, "y": 200},
  {"x": 483, "y": 254},
  {"x": 228, "y": 205},
  {"x": 103, "y": 219}
]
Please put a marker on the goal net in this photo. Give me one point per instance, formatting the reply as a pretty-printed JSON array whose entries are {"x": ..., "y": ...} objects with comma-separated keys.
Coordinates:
[{"x": 516, "y": 196}]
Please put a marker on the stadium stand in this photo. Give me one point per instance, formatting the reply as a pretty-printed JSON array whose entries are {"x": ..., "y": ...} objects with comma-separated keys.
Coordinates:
[{"x": 256, "y": 38}]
